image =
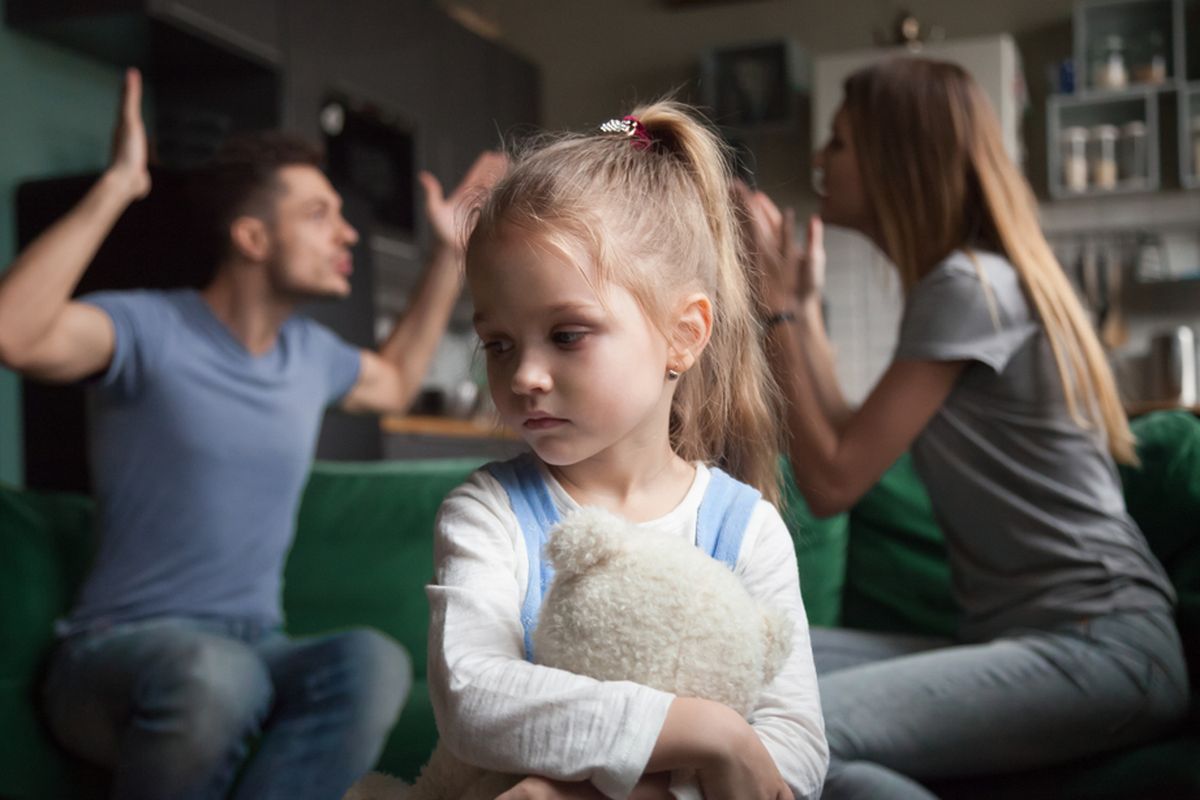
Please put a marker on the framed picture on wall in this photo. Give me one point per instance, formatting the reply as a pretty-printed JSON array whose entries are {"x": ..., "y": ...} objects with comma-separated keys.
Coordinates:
[{"x": 755, "y": 85}]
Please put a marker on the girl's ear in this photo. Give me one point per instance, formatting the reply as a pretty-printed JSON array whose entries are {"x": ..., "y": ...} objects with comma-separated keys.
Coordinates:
[
  {"x": 693, "y": 328},
  {"x": 251, "y": 238}
]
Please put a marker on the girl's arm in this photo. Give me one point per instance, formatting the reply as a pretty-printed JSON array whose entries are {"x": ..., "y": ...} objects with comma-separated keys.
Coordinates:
[
  {"x": 787, "y": 718},
  {"x": 496, "y": 710},
  {"x": 837, "y": 454}
]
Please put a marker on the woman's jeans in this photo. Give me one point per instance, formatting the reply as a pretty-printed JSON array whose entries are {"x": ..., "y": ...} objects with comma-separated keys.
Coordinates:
[
  {"x": 899, "y": 708},
  {"x": 171, "y": 706}
]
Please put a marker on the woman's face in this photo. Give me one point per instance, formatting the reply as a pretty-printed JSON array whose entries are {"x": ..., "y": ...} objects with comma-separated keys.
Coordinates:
[{"x": 843, "y": 196}]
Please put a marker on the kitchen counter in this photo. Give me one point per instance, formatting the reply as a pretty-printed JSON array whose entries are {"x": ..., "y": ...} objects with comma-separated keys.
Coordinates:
[
  {"x": 429, "y": 436},
  {"x": 430, "y": 425}
]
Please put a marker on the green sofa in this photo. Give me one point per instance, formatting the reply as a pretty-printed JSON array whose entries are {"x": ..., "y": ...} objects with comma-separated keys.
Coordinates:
[{"x": 363, "y": 554}]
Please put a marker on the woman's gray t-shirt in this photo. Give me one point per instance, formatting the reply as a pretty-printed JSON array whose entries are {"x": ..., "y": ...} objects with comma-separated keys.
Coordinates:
[{"x": 1030, "y": 502}]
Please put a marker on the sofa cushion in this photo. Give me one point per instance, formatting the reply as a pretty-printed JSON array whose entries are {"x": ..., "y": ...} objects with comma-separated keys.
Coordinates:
[
  {"x": 897, "y": 579},
  {"x": 820, "y": 552},
  {"x": 46, "y": 544},
  {"x": 1163, "y": 495},
  {"x": 363, "y": 555},
  {"x": 897, "y": 576}
]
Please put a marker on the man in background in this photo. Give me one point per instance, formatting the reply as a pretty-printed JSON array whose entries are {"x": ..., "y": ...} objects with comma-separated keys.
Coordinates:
[{"x": 205, "y": 408}]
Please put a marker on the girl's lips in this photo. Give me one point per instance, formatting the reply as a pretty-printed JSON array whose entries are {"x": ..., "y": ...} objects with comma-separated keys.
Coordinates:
[{"x": 542, "y": 423}]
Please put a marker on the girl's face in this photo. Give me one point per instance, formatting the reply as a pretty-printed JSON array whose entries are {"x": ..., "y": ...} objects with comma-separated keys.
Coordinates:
[
  {"x": 577, "y": 375},
  {"x": 843, "y": 196}
]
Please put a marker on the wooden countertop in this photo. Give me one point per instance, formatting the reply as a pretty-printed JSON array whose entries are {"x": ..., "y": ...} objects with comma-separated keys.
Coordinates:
[{"x": 421, "y": 425}]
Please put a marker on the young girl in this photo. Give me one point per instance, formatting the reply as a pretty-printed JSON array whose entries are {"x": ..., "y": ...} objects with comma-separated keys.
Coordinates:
[
  {"x": 622, "y": 345},
  {"x": 1001, "y": 390}
]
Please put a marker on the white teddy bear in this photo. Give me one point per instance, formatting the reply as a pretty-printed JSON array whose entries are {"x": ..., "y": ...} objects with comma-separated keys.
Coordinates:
[{"x": 628, "y": 605}]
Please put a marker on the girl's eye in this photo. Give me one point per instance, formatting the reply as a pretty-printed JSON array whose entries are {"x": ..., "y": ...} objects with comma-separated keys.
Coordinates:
[
  {"x": 567, "y": 338},
  {"x": 495, "y": 347}
]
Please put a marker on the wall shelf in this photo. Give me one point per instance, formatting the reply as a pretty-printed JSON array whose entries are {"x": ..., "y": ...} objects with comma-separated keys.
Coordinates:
[{"x": 1158, "y": 42}]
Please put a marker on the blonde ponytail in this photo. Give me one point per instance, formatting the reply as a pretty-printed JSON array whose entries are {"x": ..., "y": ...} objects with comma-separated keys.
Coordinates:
[{"x": 728, "y": 407}]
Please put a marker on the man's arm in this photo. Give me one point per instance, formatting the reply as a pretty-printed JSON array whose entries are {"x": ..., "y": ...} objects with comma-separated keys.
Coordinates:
[
  {"x": 390, "y": 377},
  {"x": 42, "y": 333}
]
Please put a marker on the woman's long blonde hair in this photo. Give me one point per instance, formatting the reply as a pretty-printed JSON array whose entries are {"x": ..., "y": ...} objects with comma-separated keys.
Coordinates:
[
  {"x": 938, "y": 179},
  {"x": 658, "y": 218}
]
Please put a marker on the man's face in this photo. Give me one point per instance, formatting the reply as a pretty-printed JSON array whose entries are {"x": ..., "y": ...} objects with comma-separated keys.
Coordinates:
[{"x": 310, "y": 239}]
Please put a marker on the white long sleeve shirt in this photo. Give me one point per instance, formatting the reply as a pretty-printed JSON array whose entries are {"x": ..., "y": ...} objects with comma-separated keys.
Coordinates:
[{"x": 498, "y": 711}]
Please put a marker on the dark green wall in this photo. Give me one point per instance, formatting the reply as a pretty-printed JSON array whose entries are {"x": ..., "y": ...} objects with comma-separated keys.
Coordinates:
[{"x": 57, "y": 118}]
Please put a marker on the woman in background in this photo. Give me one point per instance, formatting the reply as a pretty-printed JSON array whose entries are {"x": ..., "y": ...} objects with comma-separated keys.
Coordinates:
[{"x": 1002, "y": 393}]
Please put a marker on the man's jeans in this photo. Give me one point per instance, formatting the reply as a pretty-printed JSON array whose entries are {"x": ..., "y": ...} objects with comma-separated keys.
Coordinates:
[
  {"x": 171, "y": 705},
  {"x": 903, "y": 707}
]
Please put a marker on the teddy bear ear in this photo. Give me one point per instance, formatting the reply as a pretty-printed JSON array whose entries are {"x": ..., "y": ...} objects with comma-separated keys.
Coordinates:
[
  {"x": 584, "y": 539},
  {"x": 777, "y": 635}
]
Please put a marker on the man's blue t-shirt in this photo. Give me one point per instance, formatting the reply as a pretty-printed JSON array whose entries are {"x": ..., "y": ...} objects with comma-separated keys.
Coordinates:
[{"x": 199, "y": 452}]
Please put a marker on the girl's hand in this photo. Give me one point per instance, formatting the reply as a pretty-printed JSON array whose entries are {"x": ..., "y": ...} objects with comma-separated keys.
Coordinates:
[
  {"x": 745, "y": 771},
  {"x": 788, "y": 272},
  {"x": 535, "y": 787},
  {"x": 129, "y": 148},
  {"x": 448, "y": 215}
]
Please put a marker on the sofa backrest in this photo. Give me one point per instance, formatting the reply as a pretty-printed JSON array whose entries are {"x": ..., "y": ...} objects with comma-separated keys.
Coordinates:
[
  {"x": 46, "y": 545},
  {"x": 896, "y": 574},
  {"x": 364, "y": 548}
]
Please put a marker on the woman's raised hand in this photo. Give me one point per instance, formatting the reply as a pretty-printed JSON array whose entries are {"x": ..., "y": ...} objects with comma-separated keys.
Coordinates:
[
  {"x": 788, "y": 272},
  {"x": 130, "y": 152}
]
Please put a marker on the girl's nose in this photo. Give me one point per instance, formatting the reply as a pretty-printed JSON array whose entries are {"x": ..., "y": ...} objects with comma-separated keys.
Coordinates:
[{"x": 531, "y": 376}]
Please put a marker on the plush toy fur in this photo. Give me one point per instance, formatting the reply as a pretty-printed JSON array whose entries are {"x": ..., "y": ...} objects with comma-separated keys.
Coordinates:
[{"x": 628, "y": 605}]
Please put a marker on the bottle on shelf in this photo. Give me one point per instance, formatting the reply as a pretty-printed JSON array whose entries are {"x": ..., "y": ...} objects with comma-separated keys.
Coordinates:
[
  {"x": 1110, "y": 71},
  {"x": 1132, "y": 162},
  {"x": 1103, "y": 147},
  {"x": 1074, "y": 158},
  {"x": 1150, "y": 64}
]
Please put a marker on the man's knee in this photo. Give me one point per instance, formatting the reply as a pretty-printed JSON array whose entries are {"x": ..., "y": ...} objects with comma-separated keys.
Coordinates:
[
  {"x": 210, "y": 691},
  {"x": 380, "y": 673}
]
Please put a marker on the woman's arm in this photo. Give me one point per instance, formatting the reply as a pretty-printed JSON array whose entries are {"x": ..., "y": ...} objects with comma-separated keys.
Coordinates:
[
  {"x": 787, "y": 716},
  {"x": 836, "y": 454}
]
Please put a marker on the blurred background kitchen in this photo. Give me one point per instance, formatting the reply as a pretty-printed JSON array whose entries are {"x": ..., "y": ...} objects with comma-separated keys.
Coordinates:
[{"x": 1099, "y": 101}]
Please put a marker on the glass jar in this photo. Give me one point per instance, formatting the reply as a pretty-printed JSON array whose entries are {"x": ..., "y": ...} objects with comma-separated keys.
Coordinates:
[
  {"x": 1150, "y": 61},
  {"x": 1196, "y": 146},
  {"x": 1102, "y": 147},
  {"x": 1110, "y": 71},
  {"x": 1132, "y": 159},
  {"x": 1073, "y": 148}
]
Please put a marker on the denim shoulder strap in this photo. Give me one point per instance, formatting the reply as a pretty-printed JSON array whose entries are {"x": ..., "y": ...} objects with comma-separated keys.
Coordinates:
[
  {"x": 536, "y": 514},
  {"x": 723, "y": 516}
]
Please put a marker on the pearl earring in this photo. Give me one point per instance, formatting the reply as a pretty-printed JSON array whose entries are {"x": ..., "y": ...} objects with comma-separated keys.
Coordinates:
[{"x": 672, "y": 375}]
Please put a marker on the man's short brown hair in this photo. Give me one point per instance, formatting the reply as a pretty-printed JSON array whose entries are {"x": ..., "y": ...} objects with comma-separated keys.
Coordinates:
[{"x": 242, "y": 178}]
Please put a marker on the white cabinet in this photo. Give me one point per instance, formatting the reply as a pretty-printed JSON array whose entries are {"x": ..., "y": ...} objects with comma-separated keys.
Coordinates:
[{"x": 863, "y": 291}]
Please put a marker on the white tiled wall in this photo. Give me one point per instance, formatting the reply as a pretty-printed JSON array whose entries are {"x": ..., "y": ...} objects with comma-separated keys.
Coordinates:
[{"x": 863, "y": 305}]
